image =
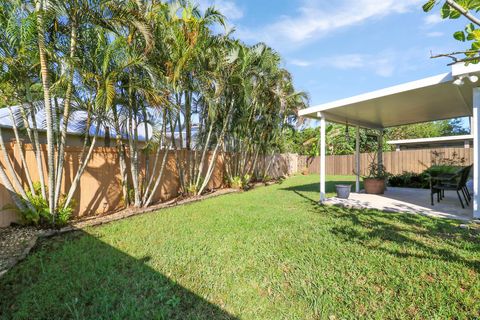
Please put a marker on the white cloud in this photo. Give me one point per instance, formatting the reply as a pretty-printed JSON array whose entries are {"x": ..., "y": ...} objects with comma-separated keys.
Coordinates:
[
  {"x": 300, "y": 63},
  {"x": 316, "y": 18},
  {"x": 435, "y": 34},
  {"x": 227, "y": 7},
  {"x": 345, "y": 61},
  {"x": 383, "y": 64},
  {"x": 432, "y": 19}
]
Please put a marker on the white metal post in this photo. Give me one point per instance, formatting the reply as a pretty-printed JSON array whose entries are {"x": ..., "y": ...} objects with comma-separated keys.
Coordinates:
[
  {"x": 323, "y": 145},
  {"x": 380, "y": 149},
  {"x": 476, "y": 152},
  {"x": 357, "y": 160}
]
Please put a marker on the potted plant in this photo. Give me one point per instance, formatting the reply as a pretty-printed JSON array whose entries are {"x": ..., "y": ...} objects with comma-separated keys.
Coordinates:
[{"x": 374, "y": 182}]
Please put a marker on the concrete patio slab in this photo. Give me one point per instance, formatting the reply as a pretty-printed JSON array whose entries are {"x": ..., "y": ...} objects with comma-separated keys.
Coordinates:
[{"x": 415, "y": 201}]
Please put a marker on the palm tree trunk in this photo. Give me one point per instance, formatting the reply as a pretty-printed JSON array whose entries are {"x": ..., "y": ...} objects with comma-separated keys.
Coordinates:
[
  {"x": 121, "y": 156},
  {"x": 38, "y": 151},
  {"x": 133, "y": 159},
  {"x": 265, "y": 173},
  {"x": 254, "y": 163},
  {"x": 152, "y": 176},
  {"x": 204, "y": 153},
  {"x": 66, "y": 112},
  {"x": 16, "y": 181},
  {"x": 39, "y": 8},
  {"x": 180, "y": 162},
  {"x": 159, "y": 179},
  {"x": 188, "y": 133},
  {"x": 20, "y": 150},
  {"x": 8, "y": 185},
  {"x": 175, "y": 149},
  {"x": 219, "y": 143},
  {"x": 211, "y": 166},
  {"x": 147, "y": 147},
  {"x": 81, "y": 169},
  {"x": 155, "y": 163}
]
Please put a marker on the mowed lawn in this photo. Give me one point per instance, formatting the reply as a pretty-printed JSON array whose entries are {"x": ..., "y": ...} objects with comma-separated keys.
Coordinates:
[{"x": 270, "y": 253}]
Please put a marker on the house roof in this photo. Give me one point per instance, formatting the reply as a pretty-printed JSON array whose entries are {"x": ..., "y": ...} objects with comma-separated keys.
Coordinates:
[
  {"x": 429, "y": 99},
  {"x": 76, "y": 124}
]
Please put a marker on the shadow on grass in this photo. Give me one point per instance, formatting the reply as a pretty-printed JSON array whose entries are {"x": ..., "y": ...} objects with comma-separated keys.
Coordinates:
[
  {"x": 400, "y": 234},
  {"x": 315, "y": 187},
  {"x": 406, "y": 235},
  {"x": 77, "y": 276}
]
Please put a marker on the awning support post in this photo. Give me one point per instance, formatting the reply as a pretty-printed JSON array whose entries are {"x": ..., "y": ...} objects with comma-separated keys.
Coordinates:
[
  {"x": 475, "y": 125},
  {"x": 380, "y": 150},
  {"x": 357, "y": 159},
  {"x": 323, "y": 145}
]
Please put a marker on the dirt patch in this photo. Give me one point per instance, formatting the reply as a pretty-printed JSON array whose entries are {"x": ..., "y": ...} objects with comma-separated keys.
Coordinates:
[{"x": 15, "y": 243}]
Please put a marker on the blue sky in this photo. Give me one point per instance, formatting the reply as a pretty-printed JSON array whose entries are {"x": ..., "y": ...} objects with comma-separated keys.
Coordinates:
[{"x": 336, "y": 49}]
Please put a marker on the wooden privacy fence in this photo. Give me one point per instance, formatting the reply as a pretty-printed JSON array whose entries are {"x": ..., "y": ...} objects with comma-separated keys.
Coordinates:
[
  {"x": 395, "y": 162},
  {"x": 100, "y": 188},
  {"x": 100, "y": 191}
]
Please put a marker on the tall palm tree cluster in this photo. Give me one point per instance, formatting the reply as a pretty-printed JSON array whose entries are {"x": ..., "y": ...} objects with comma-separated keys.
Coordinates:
[{"x": 144, "y": 65}]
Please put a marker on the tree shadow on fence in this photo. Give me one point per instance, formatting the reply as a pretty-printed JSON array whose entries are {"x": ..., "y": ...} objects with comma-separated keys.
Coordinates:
[{"x": 78, "y": 276}]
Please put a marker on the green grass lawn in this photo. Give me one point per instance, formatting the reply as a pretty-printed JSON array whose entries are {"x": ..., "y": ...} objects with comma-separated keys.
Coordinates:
[{"x": 271, "y": 253}]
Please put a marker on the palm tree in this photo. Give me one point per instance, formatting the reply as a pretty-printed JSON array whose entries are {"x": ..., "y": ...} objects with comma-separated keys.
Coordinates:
[
  {"x": 40, "y": 12},
  {"x": 134, "y": 65}
]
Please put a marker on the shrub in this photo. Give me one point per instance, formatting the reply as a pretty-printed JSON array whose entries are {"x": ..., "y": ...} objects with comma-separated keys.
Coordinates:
[
  {"x": 267, "y": 178},
  {"x": 236, "y": 182},
  {"x": 409, "y": 180},
  {"x": 240, "y": 182},
  {"x": 420, "y": 180},
  {"x": 38, "y": 213},
  {"x": 440, "y": 169},
  {"x": 376, "y": 170}
]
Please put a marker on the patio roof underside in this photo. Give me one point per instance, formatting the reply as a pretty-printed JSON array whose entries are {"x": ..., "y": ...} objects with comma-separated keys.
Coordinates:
[{"x": 430, "y": 99}]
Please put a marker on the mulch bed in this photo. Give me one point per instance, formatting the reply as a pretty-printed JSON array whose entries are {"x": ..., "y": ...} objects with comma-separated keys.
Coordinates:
[{"x": 15, "y": 243}]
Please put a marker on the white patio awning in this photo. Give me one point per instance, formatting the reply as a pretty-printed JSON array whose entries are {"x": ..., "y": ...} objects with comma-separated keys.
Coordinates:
[
  {"x": 446, "y": 96},
  {"x": 435, "y": 140},
  {"x": 429, "y": 99}
]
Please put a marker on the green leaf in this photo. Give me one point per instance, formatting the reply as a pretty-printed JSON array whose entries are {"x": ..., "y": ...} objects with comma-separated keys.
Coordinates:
[
  {"x": 459, "y": 35},
  {"x": 469, "y": 28},
  {"x": 476, "y": 45},
  {"x": 454, "y": 14},
  {"x": 445, "y": 12},
  {"x": 475, "y": 35},
  {"x": 429, "y": 5}
]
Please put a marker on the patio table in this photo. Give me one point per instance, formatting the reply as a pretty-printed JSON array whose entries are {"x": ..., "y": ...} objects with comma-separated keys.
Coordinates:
[{"x": 445, "y": 177}]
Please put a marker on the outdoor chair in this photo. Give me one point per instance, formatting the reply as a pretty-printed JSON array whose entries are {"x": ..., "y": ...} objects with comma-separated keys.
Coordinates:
[
  {"x": 456, "y": 183},
  {"x": 444, "y": 177}
]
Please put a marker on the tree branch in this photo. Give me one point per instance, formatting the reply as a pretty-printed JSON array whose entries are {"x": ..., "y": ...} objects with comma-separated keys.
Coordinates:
[
  {"x": 452, "y": 56},
  {"x": 463, "y": 11}
]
